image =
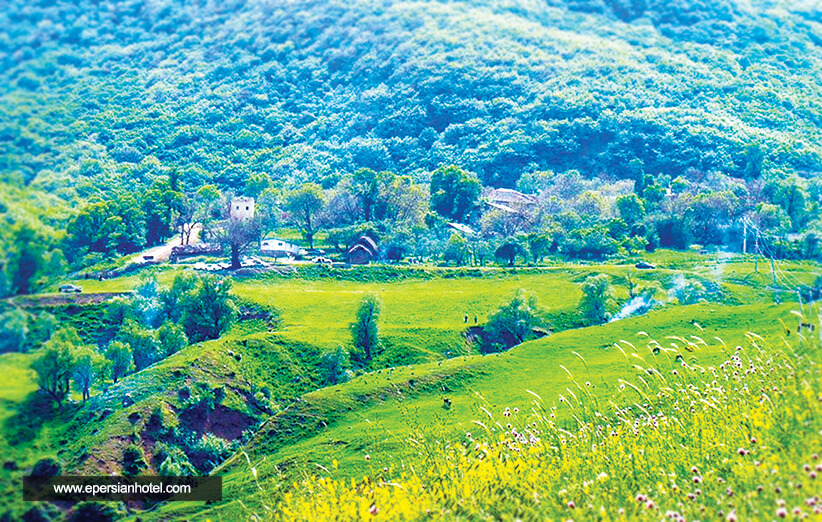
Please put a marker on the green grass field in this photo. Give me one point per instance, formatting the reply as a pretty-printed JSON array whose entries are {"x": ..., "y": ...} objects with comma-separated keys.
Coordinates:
[{"x": 311, "y": 431}]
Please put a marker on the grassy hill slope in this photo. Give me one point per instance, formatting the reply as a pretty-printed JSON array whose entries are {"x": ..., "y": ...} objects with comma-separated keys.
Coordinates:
[{"x": 363, "y": 426}]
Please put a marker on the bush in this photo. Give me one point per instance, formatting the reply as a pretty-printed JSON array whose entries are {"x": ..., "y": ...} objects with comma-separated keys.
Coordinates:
[
  {"x": 133, "y": 460},
  {"x": 47, "y": 467},
  {"x": 597, "y": 296},
  {"x": 210, "y": 451},
  {"x": 92, "y": 511},
  {"x": 513, "y": 323},
  {"x": 172, "y": 461},
  {"x": 13, "y": 330},
  {"x": 334, "y": 367}
]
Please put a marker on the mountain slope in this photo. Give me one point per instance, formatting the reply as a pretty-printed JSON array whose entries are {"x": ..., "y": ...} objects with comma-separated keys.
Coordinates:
[{"x": 108, "y": 91}]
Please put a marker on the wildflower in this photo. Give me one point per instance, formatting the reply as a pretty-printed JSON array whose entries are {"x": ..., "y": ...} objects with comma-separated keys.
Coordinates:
[
  {"x": 368, "y": 457},
  {"x": 641, "y": 498},
  {"x": 729, "y": 492},
  {"x": 650, "y": 505},
  {"x": 516, "y": 410},
  {"x": 782, "y": 512},
  {"x": 815, "y": 456},
  {"x": 373, "y": 509},
  {"x": 693, "y": 470},
  {"x": 759, "y": 488},
  {"x": 797, "y": 511},
  {"x": 806, "y": 467},
  {"x": 697, "y": 479},
  {"x": 742, "y": 452},
  {"x": 571, "y": 504}
]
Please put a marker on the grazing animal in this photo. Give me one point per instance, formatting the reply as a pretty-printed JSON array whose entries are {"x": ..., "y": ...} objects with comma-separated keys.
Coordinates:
[{"x": 805, "y": 326}]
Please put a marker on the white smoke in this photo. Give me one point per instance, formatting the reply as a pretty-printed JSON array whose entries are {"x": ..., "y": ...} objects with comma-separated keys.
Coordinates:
[{"x": 637, "y": 306}]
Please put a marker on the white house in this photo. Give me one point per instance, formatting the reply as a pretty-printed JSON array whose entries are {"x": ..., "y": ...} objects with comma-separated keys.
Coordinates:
[
  {"x": 278, "y": 247},
  {"x": 242, "y": 208}
]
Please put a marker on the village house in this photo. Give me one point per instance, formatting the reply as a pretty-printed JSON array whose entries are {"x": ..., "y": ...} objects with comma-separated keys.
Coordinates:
[
  {"x": 279, "y": 248},
  {"x": 362, "y": 252},
  {"x": 242, "y": 208},
  {"x": 509, "y": 200}
]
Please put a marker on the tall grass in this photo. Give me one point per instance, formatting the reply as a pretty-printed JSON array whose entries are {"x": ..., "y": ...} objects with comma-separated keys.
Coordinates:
[{"x": 736, "y": 441}]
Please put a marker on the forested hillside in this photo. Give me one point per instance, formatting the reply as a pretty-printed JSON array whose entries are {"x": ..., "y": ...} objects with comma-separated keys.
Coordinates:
[{"x": 102, "y": 98}]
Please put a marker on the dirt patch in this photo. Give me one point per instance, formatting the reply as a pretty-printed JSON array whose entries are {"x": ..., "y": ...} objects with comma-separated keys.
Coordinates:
[
  {"x": 37, "y": 301},
  {"x": 221, "y": 421}
]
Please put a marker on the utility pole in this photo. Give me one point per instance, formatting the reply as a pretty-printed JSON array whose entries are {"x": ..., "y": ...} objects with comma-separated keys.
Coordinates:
[
  {"x": 773, "y": 274},
  {"x": 819, "y": 317},
  {"x": 745, "y": 236},
  {"x": 756, "y": 257},
  {"x": 801, "y": 310}
]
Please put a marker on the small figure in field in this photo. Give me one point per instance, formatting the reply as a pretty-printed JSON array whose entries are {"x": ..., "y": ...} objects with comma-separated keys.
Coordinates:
[
  {"x": 475, "y": 318},
  {"x": 465, "y": 318}
]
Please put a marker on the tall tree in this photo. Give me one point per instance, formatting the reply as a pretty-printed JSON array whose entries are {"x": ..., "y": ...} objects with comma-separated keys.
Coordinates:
[
  {"x": 88, "y": 368},
  {"x": 172, "y": 338},
  {"x": 55, "y": 366},
  {"x": 365, "y": 330},
  {"x": 239, "y": 234},
  {"x": 304, "y": 204},
  {"x": 630, "y": 209},
  {"x": 454, "y": 192},
  {"x": 209, "y": 310},
  {"x": 370, "y": 187},
  {"x": 119, "y": 356},
  {"x": 161, "y": 205},
  {"x": 25, "y": 254},
  {"x": 145, "y": 349}
]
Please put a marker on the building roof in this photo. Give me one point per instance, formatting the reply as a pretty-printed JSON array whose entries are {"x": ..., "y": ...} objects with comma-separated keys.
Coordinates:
[
  {"x": 465, "y": 229},
  {"x": 367, "y": 243},
  {"x": 504, "y": 208},
  {"x": 505, "y": 196}
]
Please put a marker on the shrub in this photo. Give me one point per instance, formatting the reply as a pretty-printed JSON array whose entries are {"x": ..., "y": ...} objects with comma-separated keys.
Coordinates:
[
  {"x": 47, "y": 467},
  {"x": 597, "y": 296},
  {"x": 133, "y": 460},
  {"x": 13, "y": 330},
  {"x": 513, "y": 323},
  {"x": 333, "y": 367}
]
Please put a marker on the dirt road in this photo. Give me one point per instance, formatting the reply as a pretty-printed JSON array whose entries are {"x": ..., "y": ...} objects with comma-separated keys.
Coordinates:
[{"x": 160, "y": 254}]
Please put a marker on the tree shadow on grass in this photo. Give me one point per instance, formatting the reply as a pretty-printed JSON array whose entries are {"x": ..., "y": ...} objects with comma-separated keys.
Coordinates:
[{"x": 31, "y": 414}]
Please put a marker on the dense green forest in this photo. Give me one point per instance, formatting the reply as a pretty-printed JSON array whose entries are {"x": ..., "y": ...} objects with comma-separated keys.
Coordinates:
[{"x": 708, "y": 107}]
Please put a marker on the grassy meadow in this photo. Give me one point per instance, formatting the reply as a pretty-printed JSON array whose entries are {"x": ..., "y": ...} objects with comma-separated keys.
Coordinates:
[{"x": 426, "y": 431}]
